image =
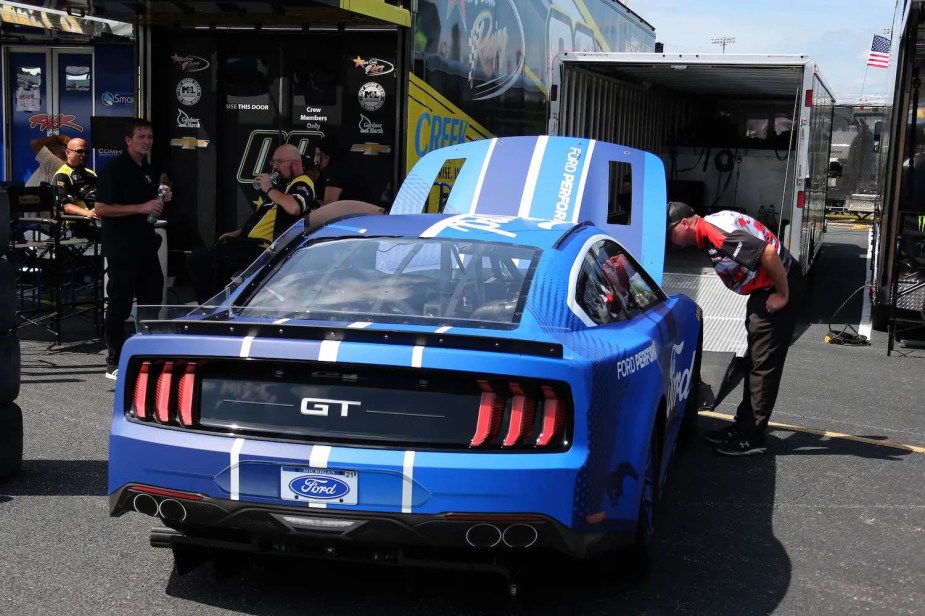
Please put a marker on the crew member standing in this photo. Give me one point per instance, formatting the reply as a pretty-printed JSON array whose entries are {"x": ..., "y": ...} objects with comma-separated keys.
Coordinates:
[
  {"x": 211, "y": 267},
  {"x": 127, "y": 192},
  {"x": 750, "y": 260},
  {"x": 76, "y": 185}
]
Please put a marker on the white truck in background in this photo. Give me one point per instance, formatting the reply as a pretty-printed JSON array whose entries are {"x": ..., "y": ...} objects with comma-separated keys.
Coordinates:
[{"x": 744, "y": 132}]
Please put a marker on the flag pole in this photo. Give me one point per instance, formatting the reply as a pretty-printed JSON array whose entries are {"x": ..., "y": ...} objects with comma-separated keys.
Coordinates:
[{"x": 863, "y": 82}]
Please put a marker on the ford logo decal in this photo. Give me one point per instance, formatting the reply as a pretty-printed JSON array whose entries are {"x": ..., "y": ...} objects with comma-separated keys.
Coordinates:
[{"x": 319, "y": 486}]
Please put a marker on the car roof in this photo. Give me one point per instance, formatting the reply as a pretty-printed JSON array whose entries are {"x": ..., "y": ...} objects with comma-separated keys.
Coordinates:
[
  {"x": 541, "y": 234},
  {"x": 567, "y": 179}
]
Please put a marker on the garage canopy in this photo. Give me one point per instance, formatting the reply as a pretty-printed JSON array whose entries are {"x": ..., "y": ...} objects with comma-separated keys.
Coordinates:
[{"x": 115, "y": 17}]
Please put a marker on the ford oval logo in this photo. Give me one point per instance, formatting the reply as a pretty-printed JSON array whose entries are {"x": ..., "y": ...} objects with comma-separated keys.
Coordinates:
[{"x": 319, "y": 486}]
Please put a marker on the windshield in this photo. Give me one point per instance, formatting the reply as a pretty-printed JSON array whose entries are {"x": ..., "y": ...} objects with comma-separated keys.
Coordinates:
[{"x": 407, "y": 280}]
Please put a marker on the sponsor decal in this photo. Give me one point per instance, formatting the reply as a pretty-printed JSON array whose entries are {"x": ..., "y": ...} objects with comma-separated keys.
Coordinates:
[
  {"x": 184, "y": 120},
  {"x": 189, "y": 64},
  {"x": 680, "y": 383},
  {"x": 45, "y": 122},
  {"x": 189, "y": 143},
  {"x": 921, "y": 224},
  {"x": 482, "y": 222},
  {"x": 434, "y": 131},
  {"x": 260, "y": 146},
  {"x": 108, "y": 151},
  {"x": 113, "y": 98},
  {"x": 371, "y": 96},
  {"x": 368, "y": 127},
  {"x": 320, "y": 407},
  {"x": 494, "y": 51},
  {"x": 189, "y": 91},
  {"x": 371, "y": 149},
  {"x": 567, "y": 183},
  {"x": 319, "y": 487},
  {"x": 374, "y": 66},
  {"x": 629, "y": 365}
]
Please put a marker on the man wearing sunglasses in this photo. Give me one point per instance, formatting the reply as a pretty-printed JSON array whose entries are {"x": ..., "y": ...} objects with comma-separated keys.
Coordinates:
[
  {"x": 75, "y": 182},
  {"x": 282, "y": 200}
]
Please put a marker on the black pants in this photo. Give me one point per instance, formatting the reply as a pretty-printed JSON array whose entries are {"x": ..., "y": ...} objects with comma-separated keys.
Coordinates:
[
  {"x": 769, "y": 337},
  {"x": 130, "y": 277},
  {"x": 212, "y": 267}
]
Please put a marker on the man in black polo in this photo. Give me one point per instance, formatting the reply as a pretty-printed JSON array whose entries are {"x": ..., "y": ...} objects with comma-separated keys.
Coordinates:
[{"x": 127, "y": 192}]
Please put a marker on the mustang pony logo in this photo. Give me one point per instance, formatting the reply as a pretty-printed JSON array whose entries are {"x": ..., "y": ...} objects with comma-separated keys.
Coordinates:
[{"x": 46, "y": 122}]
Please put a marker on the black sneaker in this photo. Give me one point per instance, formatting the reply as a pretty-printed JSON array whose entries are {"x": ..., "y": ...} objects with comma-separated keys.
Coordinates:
[
  {"x": 722, "y": 435},
  {"x": 742, "y": 445}
]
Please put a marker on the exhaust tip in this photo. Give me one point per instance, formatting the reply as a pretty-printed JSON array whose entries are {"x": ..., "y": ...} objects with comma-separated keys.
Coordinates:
[
  {"x": 483, "y": 536},
  {"x": 520, "y": 536},
  {"x": 145, "y": 503},
  {"x": 171, "y": 509}
]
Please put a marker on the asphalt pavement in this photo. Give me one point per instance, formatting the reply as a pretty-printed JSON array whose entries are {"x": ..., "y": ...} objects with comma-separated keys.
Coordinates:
[{"x": 823, "y": 524}]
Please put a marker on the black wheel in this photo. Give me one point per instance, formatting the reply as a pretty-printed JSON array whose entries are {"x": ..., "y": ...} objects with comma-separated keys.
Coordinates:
[
  {"x": 7, "y": 296},
  {"x": 10, "y": 440},
  {"x": 692, "y": 405},
  {"x": 643, "y": 551},
  {"x": 9, "y": 367}
]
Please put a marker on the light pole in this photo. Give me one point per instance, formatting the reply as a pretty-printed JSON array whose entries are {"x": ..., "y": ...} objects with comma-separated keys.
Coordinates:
[{"x": 723, "y": 40}]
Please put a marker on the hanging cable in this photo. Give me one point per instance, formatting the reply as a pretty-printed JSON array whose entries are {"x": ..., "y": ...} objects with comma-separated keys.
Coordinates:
[{"x": 852, "y": 338}]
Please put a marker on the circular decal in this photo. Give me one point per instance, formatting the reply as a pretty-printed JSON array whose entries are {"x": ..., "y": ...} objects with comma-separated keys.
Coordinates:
[
  {"x": 371, "y": 96},
  {"x": 188, "y": 91}
]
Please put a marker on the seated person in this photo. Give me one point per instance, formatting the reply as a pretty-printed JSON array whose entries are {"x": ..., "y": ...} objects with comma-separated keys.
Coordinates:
[
  {"x": 212, "y": 267},
  {"x": 76, "y": 187}
]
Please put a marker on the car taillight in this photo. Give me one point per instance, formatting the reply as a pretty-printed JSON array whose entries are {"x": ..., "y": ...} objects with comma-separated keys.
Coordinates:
[
  {"x": 141, "y": 392},
  {"x": 491, "y": 408},
  {"x": 166, "y": 391},
  {"x": 553, "y": 418},
  {"x": 521, "y": 420},
  {"x": 801, "y": 199},
  {"x": 533, "y": 415}
]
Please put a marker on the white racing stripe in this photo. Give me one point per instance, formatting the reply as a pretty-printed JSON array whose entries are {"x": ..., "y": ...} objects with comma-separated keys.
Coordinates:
[
  {"x": 246, "y": 346},
  {"x": 359, "y": 325},
  {"x": 280, "y": 321},
  {"x": 407, "y": 484},
  {"x": 581, "y": 182},
  {"x": 478, "y": 185},
  {"x": 526, "y": 199},
  {"x": 444, "y": 329},
  {"x": 417, "y": 356},
  {"x": 328, "y": 350},
  {"x": 235, "y": 486},
  {"x": 435, "y": 229},
  {"x": 319, "y": 459}
]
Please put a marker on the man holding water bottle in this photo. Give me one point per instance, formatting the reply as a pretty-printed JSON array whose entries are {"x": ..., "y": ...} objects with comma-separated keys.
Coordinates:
[
  {"x": 130, "y": 195},
  {"x": 284, "y": 196}
]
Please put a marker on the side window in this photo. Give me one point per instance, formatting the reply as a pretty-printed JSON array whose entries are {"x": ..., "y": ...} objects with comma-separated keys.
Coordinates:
[
  {"x": 595, "y": 293},
  {"x": 612, "y": 286}
]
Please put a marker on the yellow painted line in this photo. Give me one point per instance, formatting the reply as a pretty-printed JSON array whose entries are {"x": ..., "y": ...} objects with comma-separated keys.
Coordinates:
[
  {"x": 535, "y": 79},
  {"x": 826, "y": 433}
]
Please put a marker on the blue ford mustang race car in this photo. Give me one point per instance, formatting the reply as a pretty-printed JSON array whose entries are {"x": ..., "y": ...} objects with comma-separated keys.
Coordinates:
[{"x": 476, "y": 382}]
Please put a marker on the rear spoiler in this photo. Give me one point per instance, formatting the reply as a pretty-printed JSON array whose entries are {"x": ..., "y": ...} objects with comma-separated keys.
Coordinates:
[{"x": 299, "y": 331}]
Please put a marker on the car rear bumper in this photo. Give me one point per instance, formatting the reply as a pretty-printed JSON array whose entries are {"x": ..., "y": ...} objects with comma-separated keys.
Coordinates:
[{"x": 389, "y": 537}]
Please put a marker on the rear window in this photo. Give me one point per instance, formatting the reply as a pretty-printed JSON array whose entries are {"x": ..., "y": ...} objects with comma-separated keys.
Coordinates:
[{"x": 399, "y": 279}]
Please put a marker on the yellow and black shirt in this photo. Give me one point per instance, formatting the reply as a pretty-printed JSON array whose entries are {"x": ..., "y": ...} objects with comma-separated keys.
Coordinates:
[
  {"x": 270, "y": 219},
  {"x": 73, "y": 184}
]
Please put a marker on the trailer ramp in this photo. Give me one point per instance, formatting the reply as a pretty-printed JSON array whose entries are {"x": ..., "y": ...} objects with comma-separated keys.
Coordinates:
[{"x": 723, "y": 310}]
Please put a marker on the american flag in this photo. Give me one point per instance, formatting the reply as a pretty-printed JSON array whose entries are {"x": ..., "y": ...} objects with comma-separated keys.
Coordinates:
[{"x": 879, "y": 56}]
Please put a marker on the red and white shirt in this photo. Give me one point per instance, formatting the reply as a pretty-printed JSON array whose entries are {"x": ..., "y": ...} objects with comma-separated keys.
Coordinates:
[{"x": 735, "y": 243}]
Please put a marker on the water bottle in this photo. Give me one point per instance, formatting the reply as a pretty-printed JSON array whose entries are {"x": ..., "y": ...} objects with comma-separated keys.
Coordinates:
[
  {"x": 161, "y": 193},
  {"x": 273, "y": 177}
]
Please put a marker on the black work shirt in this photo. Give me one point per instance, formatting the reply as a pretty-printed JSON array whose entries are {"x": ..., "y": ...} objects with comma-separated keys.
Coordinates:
[{"x": 124, "y": 182}]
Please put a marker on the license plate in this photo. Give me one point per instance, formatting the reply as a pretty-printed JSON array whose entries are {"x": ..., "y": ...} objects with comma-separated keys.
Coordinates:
[{"x": 318, "y": 485}]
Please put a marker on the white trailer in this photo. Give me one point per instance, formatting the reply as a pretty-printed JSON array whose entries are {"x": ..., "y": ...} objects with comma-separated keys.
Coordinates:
[{"x": 744, "y": 132}]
